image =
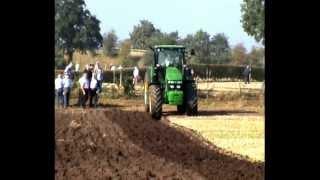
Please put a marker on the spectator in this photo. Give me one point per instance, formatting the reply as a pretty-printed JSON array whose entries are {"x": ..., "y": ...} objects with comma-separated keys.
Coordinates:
[
  {"x": 135, "y": 75},
  {"x": 84, "y": 90},
  {"x": 59, "y": 90},
  {"x": 67, "y": 85},
  {"x": 93, "y": 92},
  {"x": 98, "y": 71},
  {"x": 247, "y": 74},
  {"x": 69, "y": 71},
  {"x": 88, "y": 71}
]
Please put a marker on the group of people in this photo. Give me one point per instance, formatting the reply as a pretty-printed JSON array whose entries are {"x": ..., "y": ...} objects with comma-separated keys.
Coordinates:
[{"x": 90, "y": 85}]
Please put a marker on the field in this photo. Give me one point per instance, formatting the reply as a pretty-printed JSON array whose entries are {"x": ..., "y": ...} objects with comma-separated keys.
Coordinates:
[{"x": 120, "y": 141}]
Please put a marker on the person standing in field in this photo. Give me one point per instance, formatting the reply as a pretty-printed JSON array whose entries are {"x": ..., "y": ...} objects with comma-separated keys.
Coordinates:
[
  {"x": 59, "y": 90},
  {"x": 88, "y": 71},
  {"x": 135, "y": 75},
  {"x": 84, "y": 90},
  {"x": 247, "y": 74},
  {"x": 93, "y": 91},
  {"x": 69, "y": 71},
  {"x": 67, "y": 85},
  {"x": 98, "y": 71}
]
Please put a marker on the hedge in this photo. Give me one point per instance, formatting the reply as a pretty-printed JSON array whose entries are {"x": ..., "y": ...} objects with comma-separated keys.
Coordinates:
[{"x": 202, "y": 71}]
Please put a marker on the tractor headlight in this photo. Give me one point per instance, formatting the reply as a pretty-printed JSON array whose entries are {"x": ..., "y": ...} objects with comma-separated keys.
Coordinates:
[
  {"x": 172, "y": 86},
  {"x": 178, "y": 86}
]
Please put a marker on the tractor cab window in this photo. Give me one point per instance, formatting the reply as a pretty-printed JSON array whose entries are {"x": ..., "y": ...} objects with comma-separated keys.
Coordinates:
[{"x": 170, "y": 57}]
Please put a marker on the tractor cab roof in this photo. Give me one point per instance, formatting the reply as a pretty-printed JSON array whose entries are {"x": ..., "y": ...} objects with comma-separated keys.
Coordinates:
[{"x": 169, "y": 46}]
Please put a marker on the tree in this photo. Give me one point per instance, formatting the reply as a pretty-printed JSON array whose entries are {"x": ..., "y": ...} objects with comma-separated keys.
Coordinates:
[
  {"x": 159, "y": 38},
  {"x": 253, "y": 18},
  {"x": 147, "y": 59},
  {"x": 124, "y": 53},
  {"x": 256, "y": 57},
  {"x": 75, "y": 28},
  {"x": 220, "y": 50},
  {"x": 109, "y": 43},
  {"x": 239, "y": 55},
  {"x": 141, "y": 33},
  {"x": 201, "y": 45}
]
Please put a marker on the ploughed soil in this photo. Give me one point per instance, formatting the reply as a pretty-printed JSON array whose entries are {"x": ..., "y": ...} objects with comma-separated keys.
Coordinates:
[{"x": 110, "y": 143}]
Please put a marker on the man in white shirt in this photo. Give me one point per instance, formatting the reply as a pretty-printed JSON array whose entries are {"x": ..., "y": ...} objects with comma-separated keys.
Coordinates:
[
  {"x": 69, "y": 71},
  {"x": 93, "y": 90},
  {"x": 135, "y": 75},
  {"x": 99, "y": 75},
  {"x": 59, "y": 89},
  {"x": 84, "y": 90},
  {"x": 67, "y": 85}
]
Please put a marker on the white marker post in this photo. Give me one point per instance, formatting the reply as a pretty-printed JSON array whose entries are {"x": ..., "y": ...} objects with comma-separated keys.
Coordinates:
[{"x": 120, "y": 68}]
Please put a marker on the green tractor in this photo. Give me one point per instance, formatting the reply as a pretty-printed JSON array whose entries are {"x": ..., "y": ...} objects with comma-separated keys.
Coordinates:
[{"x": 170, "y": 81}]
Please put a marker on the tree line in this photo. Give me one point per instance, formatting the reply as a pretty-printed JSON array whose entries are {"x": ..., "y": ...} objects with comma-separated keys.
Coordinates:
[{"x": 76, "y": 29}]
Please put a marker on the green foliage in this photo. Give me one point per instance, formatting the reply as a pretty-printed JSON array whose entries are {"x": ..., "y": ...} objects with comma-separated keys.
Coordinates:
[
  {"x": 141, "y": 34},
  {"x": 209, "y": 51},
  {"x": 75, "y": 27},
  {"x": 239, "y": 56},
  {"x": 58, "y": 60},
  {"x": 220, "y": 49},
  {"x": 125, "y": 49},
  {"x": 253, "y": 18},
  {"x": 125, "y": 60},
  {"x": 201, "y": 44},
  {"x": 256, "y": 57},
  {"x": 147, "y": 59},
  {"x": 109, "y": 43},
  {"x": 159, "y": 38}
]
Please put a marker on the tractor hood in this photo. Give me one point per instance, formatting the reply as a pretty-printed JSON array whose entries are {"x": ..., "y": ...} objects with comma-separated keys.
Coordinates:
[{"x": 173, "y": 74}]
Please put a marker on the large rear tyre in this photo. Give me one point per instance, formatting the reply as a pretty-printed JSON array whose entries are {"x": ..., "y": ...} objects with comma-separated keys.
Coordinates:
[
  {"x": 155, "y": 101},
  {"x": 191, "y": 99}
]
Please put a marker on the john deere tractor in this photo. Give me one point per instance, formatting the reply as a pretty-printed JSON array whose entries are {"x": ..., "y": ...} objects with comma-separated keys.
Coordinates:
[{"x": 170, "y": 81}]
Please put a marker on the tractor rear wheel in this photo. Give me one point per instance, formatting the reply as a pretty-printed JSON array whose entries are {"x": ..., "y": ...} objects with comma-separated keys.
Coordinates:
[
  {"x": 155, "y": 101},
  {"x": 191, "y": 100}
]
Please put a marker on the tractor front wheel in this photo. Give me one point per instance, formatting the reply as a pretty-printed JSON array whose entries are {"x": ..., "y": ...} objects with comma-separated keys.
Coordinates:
[
  {"x": 155, "y": 101},
  {"x": 191, "y": 100}
]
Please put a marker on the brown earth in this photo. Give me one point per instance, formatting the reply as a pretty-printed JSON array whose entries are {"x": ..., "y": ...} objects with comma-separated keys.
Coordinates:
[{"x": 110, "y": 143}]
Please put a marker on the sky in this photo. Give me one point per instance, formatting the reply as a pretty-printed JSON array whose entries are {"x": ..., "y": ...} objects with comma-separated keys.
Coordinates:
[{"x": 184, "y": 16}]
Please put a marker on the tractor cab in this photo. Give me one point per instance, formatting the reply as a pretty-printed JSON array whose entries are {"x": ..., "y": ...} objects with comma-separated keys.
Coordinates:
[{"x": 169, "y": 56}]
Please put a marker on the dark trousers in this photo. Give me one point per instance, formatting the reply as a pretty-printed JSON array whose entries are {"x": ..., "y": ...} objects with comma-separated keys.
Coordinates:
[
  {"x": 66, "y": 96},
  {"x": 93, "y": 97},
  {"x": 59, "y": 97},
  {"x": 83, "y": 98},
  {"x": 247, "y": 79},
  {"x": 99, "y": 84}
]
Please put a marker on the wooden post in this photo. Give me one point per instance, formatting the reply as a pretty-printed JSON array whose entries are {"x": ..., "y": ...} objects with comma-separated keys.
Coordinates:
[{"x": 120, "y": 77}]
